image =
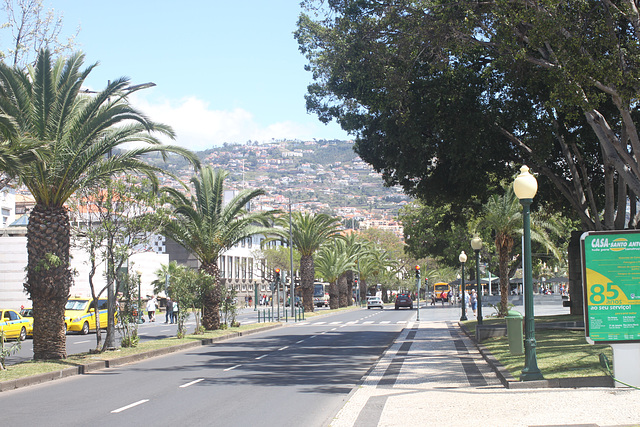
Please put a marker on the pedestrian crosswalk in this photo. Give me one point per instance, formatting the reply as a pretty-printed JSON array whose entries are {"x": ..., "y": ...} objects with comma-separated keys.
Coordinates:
[{"x": 348, "y": 323}]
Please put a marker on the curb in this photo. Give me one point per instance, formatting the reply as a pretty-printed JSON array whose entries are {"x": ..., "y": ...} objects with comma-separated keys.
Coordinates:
[
  {"x": 119, "y": 361},
  {"x": 508, "y": 381}
]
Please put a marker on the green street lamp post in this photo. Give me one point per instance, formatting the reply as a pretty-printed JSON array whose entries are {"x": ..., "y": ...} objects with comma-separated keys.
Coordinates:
[
  {"x": 463, "y": 258},
  {"x": 139, "y": 297},
  {"x": 418, "y": 292},
  {"x": 476, "y": 245},
  {"x": 525, "y": 186}
]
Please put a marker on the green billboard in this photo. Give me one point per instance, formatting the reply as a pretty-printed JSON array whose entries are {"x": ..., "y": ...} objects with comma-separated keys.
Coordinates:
[{"x": 611, "y": 285}]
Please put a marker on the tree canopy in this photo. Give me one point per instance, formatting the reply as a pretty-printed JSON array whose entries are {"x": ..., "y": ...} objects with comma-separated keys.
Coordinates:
[{"x": 447, "y": 99}]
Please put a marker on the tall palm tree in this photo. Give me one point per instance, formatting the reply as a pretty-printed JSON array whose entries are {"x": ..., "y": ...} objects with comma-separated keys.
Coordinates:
[
  {"x": 332, "y": 261},
  {"x": 308, "y": 232},
  {"x": 206, "y": 227},
  {"x": 77, "y": 131},
  {"x": 503, "y": 215}
]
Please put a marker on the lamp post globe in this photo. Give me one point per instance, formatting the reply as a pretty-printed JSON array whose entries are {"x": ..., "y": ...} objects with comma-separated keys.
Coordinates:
[
  {"x": 525, "y": 187},
  {"x": 476, "y": 245},
  {"x": 463, "y": 258}
]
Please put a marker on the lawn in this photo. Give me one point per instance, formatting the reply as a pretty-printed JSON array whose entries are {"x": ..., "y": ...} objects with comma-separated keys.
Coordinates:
[{"x": 560, "y": 353}]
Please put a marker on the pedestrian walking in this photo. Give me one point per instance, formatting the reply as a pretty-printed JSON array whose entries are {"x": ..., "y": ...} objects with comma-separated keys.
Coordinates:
[
  {"x": 174, "y": 317},
  {"x": 151, "y": 309},
  {"x": 169, "y": 314},
  {"x": 473, "y": 301}
]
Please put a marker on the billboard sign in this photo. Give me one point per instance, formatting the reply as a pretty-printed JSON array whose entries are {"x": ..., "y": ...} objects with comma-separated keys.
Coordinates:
[{"x": 611, "y": 285}]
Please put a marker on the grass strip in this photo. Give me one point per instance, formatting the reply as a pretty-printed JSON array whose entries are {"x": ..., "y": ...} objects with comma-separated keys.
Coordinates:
[{"x": 560, "y": 353}]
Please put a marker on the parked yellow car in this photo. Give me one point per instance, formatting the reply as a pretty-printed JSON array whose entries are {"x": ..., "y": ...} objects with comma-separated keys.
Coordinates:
[
  {"x": 15, "y": 326},
  {"x": 79, "y": 315}
]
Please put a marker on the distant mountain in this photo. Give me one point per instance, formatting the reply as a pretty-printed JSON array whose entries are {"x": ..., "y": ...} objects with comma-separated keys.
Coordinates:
[{"x": 327, "y": 172}]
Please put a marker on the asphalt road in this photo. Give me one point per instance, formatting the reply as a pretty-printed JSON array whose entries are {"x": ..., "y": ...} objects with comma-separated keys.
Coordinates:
[
  {"x": 158, "y": 330},
  {"x": 290, "y": 376}
]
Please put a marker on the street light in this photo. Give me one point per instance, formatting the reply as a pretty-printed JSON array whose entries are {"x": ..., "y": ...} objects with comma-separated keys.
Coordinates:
[
  {"x": 463, "y": 258},
  {"x": 476, "y": 244},
  {"x": 525, "y": 186},
  {"x": 418, "y": 290},
  {"x": 139, "y": 273}
]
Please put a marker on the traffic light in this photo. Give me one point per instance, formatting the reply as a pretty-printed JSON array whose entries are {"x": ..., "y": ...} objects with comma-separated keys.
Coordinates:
[
  {"x": 417, "y": 271},
  {"x": 426, "y": 281},
  {"x": 277, "y": 275}
]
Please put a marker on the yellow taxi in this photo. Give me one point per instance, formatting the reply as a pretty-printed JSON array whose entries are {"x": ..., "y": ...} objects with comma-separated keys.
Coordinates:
[
  {"x": 15, "y": 326},
  {"x": 80, "y": 314}
]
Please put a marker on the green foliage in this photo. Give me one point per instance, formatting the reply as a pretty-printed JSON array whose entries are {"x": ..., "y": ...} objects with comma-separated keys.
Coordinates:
[
  {"x": 229, "y": 308},
  {"x": 7, "y": 351}
]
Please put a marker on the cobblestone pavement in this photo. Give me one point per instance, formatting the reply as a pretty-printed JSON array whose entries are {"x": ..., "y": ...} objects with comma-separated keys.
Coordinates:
[{"x": 433, "y": 375}]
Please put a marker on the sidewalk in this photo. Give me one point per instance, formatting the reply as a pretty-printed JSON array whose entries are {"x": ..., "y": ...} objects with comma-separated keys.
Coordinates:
[{"x": 433, "y": 375}]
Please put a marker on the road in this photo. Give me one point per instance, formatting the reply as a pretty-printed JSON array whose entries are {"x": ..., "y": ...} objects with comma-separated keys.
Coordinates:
[
  {"x": 296, "y": 375},
  {"x": 158, "y": 330}
]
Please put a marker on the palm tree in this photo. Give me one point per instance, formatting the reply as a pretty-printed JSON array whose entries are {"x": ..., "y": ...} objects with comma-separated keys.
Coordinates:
[
  {"x": 503, "y": 215},
  {"x": 207, "y": 227},
  {"x": 77, "y": 131},
  {"x": 308, "y": 232},
  {"x": 332, "y": 261}
]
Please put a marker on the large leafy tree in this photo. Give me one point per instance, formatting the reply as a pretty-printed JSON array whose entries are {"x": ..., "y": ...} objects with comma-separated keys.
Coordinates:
[
  {"x": 207, "y": 225},
  {"x": 77, "y": 131},
  {"x": 549, "y": 83},
  {"x": 308, "y": 233}
]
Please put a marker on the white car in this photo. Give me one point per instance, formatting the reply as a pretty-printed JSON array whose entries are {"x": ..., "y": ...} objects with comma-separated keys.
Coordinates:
[{"x": 374, "y": 302}]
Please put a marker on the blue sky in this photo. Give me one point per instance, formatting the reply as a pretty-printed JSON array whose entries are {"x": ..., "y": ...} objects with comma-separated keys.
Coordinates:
[{"x": 226, "y": 71}]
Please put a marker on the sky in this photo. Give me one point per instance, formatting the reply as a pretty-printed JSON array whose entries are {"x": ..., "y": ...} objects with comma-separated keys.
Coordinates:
[{"x": 225, "y": 71}]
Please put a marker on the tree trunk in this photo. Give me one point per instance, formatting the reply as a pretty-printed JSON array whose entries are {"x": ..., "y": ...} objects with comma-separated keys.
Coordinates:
[
  {"x": 48, "y": 279},
  {"x": 334, "y": 295},
  {"x": 505, "y": 246},
  {"x": 343, "y": 290},
  {"x": 212, "y": 299},
  {"x": 307, "y": 273},
  {"x": 350, "y": 283},
  {"x": 575, "y": 274}
]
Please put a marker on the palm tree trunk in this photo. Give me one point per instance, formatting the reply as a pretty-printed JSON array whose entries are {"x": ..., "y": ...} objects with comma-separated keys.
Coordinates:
[
  {"x": 349, "y": 278},
  {"x": 342, "y": 290},
  {"x": 307, "y": 273},
  {"x": 48, "y": 279},
  {"x": 504, "y": 246},
  {"x": 334, "y": 295},
  {"x": 212, "y": 298}
]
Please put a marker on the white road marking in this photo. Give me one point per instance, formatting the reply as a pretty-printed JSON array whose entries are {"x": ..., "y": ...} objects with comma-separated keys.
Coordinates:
[
  {"x": 124, "y": 408},
  {"x": 298, "y": 342},
  {"x": 335, "y": 323},
  {"x": 192, "y": 383},
  {"x": 283, "y": 348},
  {"x": 384, "y": 322},
  {"x": 260, "y": 357},
  {"x": 82, "y": 342},
  {"x": 231, "y": 368},
  {"x": 319, "y": 323},
  {"x": 368, "y": 322}
]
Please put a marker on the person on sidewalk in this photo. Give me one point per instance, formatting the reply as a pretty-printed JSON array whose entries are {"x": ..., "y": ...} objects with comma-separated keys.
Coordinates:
[
  {"x": 169, "y": 313},
  {"x": 151, "y": 309},
  {"x": 174, "y": 317},
  {"x": 473, "y": 301}
]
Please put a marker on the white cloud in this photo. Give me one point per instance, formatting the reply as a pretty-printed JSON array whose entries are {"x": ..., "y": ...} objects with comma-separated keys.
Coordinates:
[{"x": 198, "y": 127}]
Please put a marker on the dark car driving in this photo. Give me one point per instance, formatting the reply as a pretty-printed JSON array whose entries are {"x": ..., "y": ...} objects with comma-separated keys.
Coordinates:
[{"x": 404, "y": 301}]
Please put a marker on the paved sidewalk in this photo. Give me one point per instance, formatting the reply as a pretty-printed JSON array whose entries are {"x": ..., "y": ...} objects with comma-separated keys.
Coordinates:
[{"x": 433, "y": 375}]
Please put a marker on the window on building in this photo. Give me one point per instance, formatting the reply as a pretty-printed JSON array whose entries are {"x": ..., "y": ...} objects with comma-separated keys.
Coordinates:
[
  {"x": 230, "y": 265},
  {"x": 221, "y": 265},
  {"x": 237, "y": 263}
]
